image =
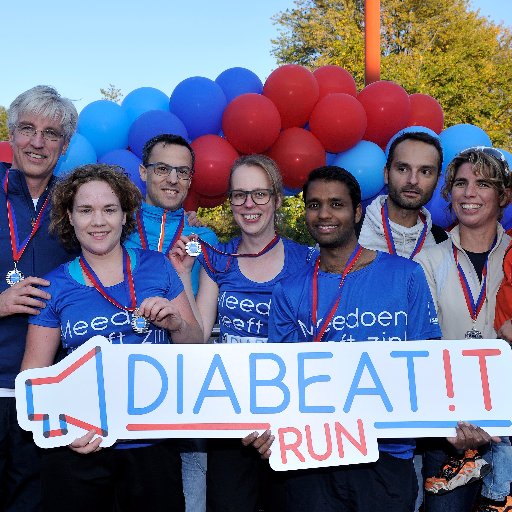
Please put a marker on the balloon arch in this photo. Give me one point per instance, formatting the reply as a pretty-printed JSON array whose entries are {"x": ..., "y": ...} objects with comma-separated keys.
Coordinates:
[{"x": 301, "y": 119}]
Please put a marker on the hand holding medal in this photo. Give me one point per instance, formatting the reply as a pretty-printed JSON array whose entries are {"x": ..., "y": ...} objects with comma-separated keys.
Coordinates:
[
  {"x": 180, "y": 256},
  {"x": 160, "y": 312}
]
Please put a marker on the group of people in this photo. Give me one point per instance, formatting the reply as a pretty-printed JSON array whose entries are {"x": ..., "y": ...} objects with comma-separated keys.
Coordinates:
[{"x": 87, "y": 255}]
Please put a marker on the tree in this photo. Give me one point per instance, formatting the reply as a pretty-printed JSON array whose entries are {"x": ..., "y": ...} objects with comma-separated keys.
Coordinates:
[
  {"x": 439, "y": 47},
  {"x": 4, "y": 132},
  {"x": 113, "y": 93}
]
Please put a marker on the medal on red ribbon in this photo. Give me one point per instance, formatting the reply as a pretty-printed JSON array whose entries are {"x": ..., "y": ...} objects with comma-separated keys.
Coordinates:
[
  {"x": 389, "y": 235},
  {"x": 473, "y": 308},
  {"x": 15, "y": 276},
  {"x": 319, "y": 330},
  {"x": 139, "y": 324},
  {"x": 143, "y": 236}
]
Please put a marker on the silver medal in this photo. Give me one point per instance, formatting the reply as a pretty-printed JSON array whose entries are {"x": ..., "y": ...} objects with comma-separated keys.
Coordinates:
[
  {"x": 193, "y": 248},
  {"x": 139, "y": 324},
  {"x": 14, "y": 276},
  {"x": 473, "y": 334}
]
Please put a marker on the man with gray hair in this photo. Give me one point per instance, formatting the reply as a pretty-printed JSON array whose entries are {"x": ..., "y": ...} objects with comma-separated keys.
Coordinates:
[{"x": 40, "y": 124}]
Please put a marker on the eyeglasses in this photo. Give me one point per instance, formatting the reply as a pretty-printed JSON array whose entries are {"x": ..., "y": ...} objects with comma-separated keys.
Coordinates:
[
  {"x": 259, "y": 196},
  {"x": 48, "y": 134},
  {"x": 496, "y": 153},
  {"x": 183, "y": 172}
]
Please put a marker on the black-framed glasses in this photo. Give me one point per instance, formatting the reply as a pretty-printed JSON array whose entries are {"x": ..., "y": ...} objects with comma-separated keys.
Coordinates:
[
  {"x": 494, "y": 152},
  {"x": 259, "y": 196},
  {"x": 162, "y": 169},
  {"x": 48, "y": 133}
]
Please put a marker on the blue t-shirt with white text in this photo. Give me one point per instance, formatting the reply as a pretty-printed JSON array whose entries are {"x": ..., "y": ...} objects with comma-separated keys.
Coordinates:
[
  {"x": 243, "y": 304},
  {"x": 389, "y": 299},
  {"x": 81, "y": 312}
]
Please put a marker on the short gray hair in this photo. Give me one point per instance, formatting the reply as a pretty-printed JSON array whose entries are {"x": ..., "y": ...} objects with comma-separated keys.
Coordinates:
[{"x": 44, "y": 101}]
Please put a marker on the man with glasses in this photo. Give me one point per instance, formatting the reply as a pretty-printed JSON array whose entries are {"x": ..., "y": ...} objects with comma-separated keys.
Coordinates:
[
  {"x": 167, "y": 168},
  {"x": 40, "y": 124}
]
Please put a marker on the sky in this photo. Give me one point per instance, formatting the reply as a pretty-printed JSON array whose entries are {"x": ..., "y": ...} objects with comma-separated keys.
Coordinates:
[{"x": 80, "y": 47}]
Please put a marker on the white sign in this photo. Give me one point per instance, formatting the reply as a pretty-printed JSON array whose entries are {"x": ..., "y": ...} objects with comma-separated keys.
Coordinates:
[{"x": 326, "y": 403}]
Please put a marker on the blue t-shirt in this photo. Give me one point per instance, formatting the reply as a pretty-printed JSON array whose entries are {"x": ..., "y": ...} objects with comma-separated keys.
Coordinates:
[
  {"x": 152, "y": 219},
  {"x": 81, "y": 312},
  {"x": 243, "y": 304},
  {"x": 389, "y": 299}
]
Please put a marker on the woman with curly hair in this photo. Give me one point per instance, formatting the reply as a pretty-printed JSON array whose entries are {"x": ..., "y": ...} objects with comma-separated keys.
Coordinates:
[{"x": 128, "y": 296}]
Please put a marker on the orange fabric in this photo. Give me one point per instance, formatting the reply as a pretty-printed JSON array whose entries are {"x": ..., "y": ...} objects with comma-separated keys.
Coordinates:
[{"x": 504, "y": 295}]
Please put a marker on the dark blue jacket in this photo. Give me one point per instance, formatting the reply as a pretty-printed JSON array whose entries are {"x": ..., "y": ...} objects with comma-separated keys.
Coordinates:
[{"x": 42, "y": 254}]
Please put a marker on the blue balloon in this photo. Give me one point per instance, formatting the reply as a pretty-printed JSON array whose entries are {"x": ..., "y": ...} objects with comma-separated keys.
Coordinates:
[
  {"x": 366, "y": 202},
  {"x": 439, "y": 208},
  {"x": 199, "y": 102},
  {"x": 236, "y": 81},
  {"x": 506, "y": 220},
  {"x": 365, "y": 161},
  {"x": 330, "y": 157},
  {"x": 508, "y": 157},
  {"x": 105, "y": 125},
  {"x": 150, "y": 124},
  {"x": 79, "y": 152},
  {"x": 409, "y": 129},
  {"x": 289, "y": 192},
  {"x": 460, "y": 137},
  {"x": 144, "y": 99},
  {"x": 129, "y": 162}
]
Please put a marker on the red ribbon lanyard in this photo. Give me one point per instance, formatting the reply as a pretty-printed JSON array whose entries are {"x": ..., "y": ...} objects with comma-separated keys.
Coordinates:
[
  {"x": 265, "y": 249},
  {"x": 389, "y": 235},
  {"x": 17, "y": 248},
  {"x": 474, "y": 309},
  {"x": 143, "y": 236},
  {"x": 319, "y": 330},
  {"x": 128, "y": 282}
]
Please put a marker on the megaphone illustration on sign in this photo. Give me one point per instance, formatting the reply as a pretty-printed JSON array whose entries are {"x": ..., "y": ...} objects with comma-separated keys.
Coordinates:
[{"x": 326, "y": 403}]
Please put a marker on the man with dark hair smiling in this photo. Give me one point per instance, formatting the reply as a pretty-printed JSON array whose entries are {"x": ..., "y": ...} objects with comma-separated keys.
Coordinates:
[{"x": 356, "y": 281}]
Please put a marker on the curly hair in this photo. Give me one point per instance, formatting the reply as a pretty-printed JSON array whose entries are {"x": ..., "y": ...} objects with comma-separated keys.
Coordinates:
[
  {"x": 486, "y": 165},
  {"x": 65, "y": 190}
]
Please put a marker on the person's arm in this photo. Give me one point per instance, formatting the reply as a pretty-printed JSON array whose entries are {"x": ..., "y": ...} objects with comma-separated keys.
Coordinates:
[
  {"x": 282, "y": 323},
  {"x": 41, "y": 347},
  {"x": 24, "y": 297},
  {"x": 183, "y": 264}
]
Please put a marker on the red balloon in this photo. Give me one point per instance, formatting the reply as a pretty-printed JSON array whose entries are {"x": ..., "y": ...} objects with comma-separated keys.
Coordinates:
[
  {"x": 387, "y": 107},
  {"x": 251, "y": 123},
  {"x": 191, "y": 202},
  {"x": 338, "y": 121},
  {"x": 426, "y": 111},
  {"x": 211, "y": 202},
  {"x": 294, "y": 91},
  {"x": 5, "y": 152},
  {"x": 297, "y": 152},
  {"x": 214, "y": 158},
  {"x": 332, "y": 79}
]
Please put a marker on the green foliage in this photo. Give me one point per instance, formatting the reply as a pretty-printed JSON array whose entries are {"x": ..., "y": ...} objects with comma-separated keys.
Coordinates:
[
  {"x": 439, "y": 47},
  {"x": 290, "y": 220},
  {"x": 4, "y": 132},
  {"x": 112, "y": 93},
  {"x": 220, "y": 219}
]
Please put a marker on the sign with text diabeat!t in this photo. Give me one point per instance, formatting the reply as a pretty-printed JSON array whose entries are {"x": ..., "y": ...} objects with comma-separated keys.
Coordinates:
[{"x": 326, "y": 403}]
